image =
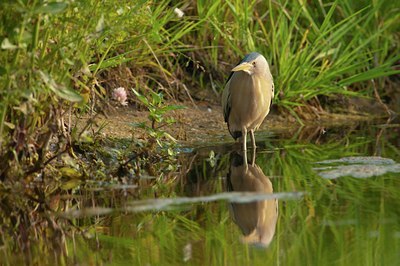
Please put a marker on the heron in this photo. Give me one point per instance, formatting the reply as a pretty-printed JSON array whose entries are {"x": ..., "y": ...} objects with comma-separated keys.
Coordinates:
[{"x": 247, "y": 97}]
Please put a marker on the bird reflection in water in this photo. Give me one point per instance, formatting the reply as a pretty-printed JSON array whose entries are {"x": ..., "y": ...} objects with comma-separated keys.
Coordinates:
[{"x": 257, "y": 220}]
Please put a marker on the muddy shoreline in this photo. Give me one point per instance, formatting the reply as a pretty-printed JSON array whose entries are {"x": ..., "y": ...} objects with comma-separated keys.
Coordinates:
[{"x": 204, "y": 122}]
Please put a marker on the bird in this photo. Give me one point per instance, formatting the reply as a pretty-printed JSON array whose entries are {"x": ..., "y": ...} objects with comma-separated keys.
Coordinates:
[
  {"x": 247, "y": 97},
  {"x": 257, "y": 219}
]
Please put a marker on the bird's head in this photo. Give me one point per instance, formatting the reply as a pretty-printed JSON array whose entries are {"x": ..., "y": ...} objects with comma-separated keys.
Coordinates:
[{"x": 253, "y": 63}]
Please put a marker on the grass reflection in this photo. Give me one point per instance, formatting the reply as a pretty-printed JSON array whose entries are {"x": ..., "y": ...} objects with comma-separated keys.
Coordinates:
[{"x": 347, "y": 221}]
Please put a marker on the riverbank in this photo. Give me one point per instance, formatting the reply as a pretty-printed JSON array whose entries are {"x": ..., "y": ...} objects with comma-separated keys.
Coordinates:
[{"x": 203, "y": 121}]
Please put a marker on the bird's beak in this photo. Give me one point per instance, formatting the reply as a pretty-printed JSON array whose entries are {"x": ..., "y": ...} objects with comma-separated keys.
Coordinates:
[{"x": 245, "y": 66}]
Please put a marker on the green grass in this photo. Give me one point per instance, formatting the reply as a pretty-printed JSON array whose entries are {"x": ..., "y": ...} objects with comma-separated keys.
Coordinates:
[
  {"x": 315, "y": 49},
  {"x": 64, "y": 58}
]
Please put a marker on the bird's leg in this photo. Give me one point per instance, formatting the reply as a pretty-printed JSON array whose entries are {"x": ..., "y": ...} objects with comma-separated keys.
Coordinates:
[
  {"x": 253, "y": 139},
  {"x": 253, "y": 159},
  {"x": 253, "y": 144},
  {"x": 244, "y": 139}
]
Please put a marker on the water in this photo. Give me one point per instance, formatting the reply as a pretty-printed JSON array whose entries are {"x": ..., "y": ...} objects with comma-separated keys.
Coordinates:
[{"x": 283, "y": 210}]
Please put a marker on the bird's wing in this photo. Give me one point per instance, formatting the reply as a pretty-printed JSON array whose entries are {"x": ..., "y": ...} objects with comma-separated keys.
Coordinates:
[
  {"x": 226, "y": 96},
  {"x": 273, "y": 93},
  {"x": 226, "y": 99}
]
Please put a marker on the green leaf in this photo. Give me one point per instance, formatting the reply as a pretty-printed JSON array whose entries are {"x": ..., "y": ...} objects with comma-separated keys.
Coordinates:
[
  {"x": 71, "y": 184},
  {"x": 70, "y": 173},
  {"x": 9, "y": 125},
  {"x": 368, "y": 75},
  {"x": 156, "y": 98},
  {"x": 3, "y": 71},
  {"x": 173, "y": 107},
  {"x": 170, "y": 120},
  {"x": 141, "y": 97},
  {"x": 52, "y": 8},
  {"x": 60, "y": 89}
]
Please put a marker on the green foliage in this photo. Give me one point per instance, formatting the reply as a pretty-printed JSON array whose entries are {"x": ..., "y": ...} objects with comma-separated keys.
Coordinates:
[
  {"x": 53, "y": 56},
  {"x": 61, "y": 57},
  {"x": 315, "y": 48},
  {"x": 157, "y": 108},
  {"x": 157, "y": 116}
]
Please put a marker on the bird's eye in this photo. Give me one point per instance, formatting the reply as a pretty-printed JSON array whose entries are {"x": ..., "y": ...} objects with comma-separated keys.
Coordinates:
[{"x": 254, "y": 63}]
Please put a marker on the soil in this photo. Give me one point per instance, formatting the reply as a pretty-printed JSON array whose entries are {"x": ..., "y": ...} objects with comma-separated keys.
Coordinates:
[{"x": 203, "y": 121}]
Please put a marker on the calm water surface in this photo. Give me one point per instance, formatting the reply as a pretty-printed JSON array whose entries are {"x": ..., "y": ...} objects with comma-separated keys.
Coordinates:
[{"x": 287, "y": 208}]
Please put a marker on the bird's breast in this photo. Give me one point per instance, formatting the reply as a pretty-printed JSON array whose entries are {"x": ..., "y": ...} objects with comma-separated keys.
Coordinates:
[{"x": 250, "y": 99}]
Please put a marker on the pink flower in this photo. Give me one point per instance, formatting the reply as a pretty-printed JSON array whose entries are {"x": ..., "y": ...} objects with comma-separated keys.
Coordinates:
[{"x": 119, "y": 94}]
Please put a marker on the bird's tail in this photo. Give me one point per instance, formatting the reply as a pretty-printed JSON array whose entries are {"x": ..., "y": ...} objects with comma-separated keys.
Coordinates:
[{"x": 236, "y": 134}]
